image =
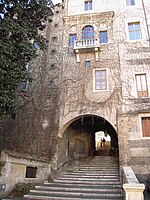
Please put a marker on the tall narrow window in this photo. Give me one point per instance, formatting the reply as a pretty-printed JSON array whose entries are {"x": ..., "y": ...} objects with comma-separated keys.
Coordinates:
[
  {"x": 130, "y": 2},
  {"x": 134, "y": 31},
  {"x": 88, "y": 33},
  {"x": 88, "y": 5},
  {"x": 72, "y": 39},
  {"x": 141, "y": 84},
  {"x": 146, "y": 126},
  {"x": 103, "y": 36},
  {"x": 100, "y": 82}
]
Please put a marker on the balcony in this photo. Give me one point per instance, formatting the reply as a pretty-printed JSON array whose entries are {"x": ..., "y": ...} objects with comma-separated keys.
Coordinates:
[{"x": 85, "y": 46}]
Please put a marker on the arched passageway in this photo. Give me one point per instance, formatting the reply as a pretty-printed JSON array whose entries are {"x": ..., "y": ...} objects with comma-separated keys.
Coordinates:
[{"x": 80, "y": 138}]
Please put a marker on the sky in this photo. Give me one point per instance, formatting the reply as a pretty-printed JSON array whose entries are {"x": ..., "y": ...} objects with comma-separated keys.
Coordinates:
[{"x": 56, "y": 1}]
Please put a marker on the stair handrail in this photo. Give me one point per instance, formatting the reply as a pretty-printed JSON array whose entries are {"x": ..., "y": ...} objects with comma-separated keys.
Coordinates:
[{"x": 67, "y": 161}]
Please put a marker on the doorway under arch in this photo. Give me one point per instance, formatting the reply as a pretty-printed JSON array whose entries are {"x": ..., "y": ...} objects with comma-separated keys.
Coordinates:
[{"x": 79, "y": 138}]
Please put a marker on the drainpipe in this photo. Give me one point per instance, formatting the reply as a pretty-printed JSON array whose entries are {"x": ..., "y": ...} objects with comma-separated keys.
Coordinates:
[{"x": 148, "y": 33}]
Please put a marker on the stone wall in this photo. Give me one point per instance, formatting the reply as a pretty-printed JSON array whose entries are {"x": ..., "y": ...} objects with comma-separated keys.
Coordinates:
[
  {"x": 15, "y": 169},
  {"x": 34, "y": 129}
]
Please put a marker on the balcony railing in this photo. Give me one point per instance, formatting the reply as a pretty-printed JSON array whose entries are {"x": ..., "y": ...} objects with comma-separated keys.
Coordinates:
[{"x": 84, "y": 44}]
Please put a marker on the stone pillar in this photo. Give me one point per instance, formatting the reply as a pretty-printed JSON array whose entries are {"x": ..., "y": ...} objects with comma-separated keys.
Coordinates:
[
  {"x": 77, "y": 55},
  {"x": 134, "y": 191}
]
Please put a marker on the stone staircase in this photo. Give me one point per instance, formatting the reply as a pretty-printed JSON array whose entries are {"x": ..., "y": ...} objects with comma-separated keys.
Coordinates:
[{"x": 98, "y": 179}]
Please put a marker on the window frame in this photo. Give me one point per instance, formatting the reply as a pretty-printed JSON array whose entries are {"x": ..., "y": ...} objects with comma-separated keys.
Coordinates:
[
  {"x": 103, "y": 31},
  {"x": 134, "y": 31},
  {"x": 70, "y": 41},
  {"x": 88, "y": 5},
  {"x": 143, "y": 115},
  {"x": 94, "y": 80},
  {"x": 141, "y": 85}
]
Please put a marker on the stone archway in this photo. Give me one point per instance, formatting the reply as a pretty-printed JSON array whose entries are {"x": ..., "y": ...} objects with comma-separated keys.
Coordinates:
[{"x": 78, "y": 139}]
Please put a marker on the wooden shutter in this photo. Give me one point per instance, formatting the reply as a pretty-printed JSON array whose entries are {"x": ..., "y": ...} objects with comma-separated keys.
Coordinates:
[{"x": 146, "y": 126}]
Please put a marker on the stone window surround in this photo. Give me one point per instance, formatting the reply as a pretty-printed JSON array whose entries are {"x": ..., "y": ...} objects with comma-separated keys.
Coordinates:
[
  {"x": 140, "y": 124},
  {"x": 94, "y": 90}
]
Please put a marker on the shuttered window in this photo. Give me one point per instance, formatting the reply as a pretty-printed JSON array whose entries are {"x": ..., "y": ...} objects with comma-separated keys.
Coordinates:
[
  {"x": 141, "y": 84},
  {"x": 146, "y": 126}
]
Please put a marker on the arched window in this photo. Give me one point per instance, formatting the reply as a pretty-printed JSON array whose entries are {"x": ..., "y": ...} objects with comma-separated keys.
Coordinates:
[{"x": 87, "y": 33}]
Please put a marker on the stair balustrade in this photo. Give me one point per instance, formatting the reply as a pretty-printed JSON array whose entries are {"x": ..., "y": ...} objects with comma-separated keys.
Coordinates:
[{"x": 133, "y": 189}]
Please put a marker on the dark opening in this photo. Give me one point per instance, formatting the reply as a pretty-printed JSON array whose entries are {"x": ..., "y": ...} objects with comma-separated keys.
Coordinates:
[
  {"x": 31, "y": 172},
  {"x": 79, "y": 139}
]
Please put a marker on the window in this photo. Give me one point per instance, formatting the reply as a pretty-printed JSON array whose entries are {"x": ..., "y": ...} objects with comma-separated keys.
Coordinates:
[
  {"x": 100, "y": 79},
  {"x": 141, "y": 85},
  {"x": 31, "y": 172},
  {"x": 54, "y": 39},
  {"x": 134, "y": 31},
  {"x": 88, "y": 33},
  {"x": 35, "y": 44},
  {"x": 88, "y": 5},
  {"x": 23, "y": 86},
  {"x": 87, "y": 64},
  {"x": 130, "y": 2},
  {"x": 72, "y": 39},
  {"x": 146, "y": 126},
  {"x": 103, "y": 36}
]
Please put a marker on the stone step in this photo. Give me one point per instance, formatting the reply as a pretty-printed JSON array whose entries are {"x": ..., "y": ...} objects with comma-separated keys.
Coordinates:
[
  {"x": 78, "y": 188},
  {"x": 63, "y": 184},
  {"x": 56, "y": 197},
  {"x": 77, "y": 192},
  {"x": 95, "y": 182},
  {"x": 96, "y": 169},
  {"x": 91, "y": 178},
  {"x": 34, "y": 194},
  {"x": 84, "y": 173},
  {"x": 110, "y": 176}
]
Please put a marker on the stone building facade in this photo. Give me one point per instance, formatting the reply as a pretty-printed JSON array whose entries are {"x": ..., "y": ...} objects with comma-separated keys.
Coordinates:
[{"x": 94, "y": 76}]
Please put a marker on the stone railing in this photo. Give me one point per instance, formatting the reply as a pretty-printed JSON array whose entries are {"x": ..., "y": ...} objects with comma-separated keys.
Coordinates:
[
  {"x": 82, "y": 44},
  {"x": 133, "y": 189}
]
